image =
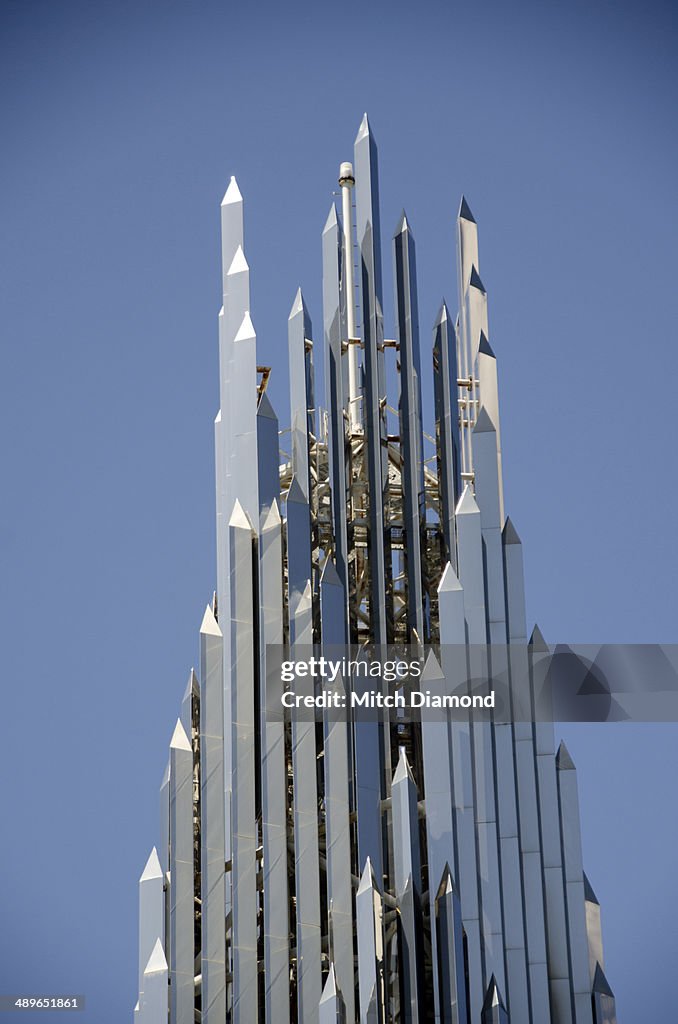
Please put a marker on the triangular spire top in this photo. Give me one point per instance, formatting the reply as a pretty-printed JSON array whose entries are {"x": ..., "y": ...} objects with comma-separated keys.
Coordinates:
[
  {"x": 238, "y": 264},
  {"x": 510, "y": 533},
  {"x": 564, "y": 762},
  {"x": 209, "y": 625},
  {"x": 465, "y": 211},
  {"x": 467, "y": 503},
  {"x": 153, "y": 868},
  {"x": 364, "y": 129},
  {"x": 273, "y": 519},
  {"x": 330, "y": 989},
  {"x": 156, "y": 961},
  {"x": 589, "y": 894},
  {"x": 367, "y": 879},
  {"x": 449, "y": 580},
  {"x": 296, "y": 492},
  {"x": 601, "y": 986},
  {"x": 432, "y": 671},
  {"x": 332, "y": 219},
  {"x": 239, "y": 519},
  {"x": 443, "y": 314},
  {"x": 232, "y": 194},
  {"x": 403, "y": 225},
  {"x": 265, "y": 409},
  {"x": 446, "y": 883},
  {"x": 475, "y": 281},
  {"x": 403, "y": 770},
  {"x": 493, "y": 997},
  {"x": 484, "y": 346},
  {"x": 246, "y": 330},
  {"x": 483, "y": 423},
  {"x": 298, "y": 306},
  {"x": 329, "y": 576},
  {"x": 179, "y": 739},
  {"x": 537, "y": 640}
]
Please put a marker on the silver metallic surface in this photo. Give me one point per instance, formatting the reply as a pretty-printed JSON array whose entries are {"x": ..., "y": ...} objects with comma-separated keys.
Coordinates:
[
  {"x": 151, "y": 910},
  {"x": 243, "y": 808},
  {"x": 449, "y": 946},
  {"x": 212, "y": 830},
  {"x": 448, "y": 451},
  {"x": 337, "y": 772},
  {"x": 472, "y": 905},
  {"x": 182, "y": 951},
  {"x": 332, "y": 1009},
  {"x": 273, "y": 776},
  {"x": 306, "y": 847},
  {"x": 369, "y": 242},
  {"x": 451, "y": 608},
  {"x": 573, "y": 873},
  {"x": 604, "y": 1006},
  {"x": 411, "y": 441},
  {"x": 370, "y": 933}
]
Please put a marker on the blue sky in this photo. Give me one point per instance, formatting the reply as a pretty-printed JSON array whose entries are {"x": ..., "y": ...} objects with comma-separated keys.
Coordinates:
[{"x": 121, "y": 125}]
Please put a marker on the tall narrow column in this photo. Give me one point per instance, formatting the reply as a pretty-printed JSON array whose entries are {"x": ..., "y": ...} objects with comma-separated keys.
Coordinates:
[
  {"x": 182, "y": 951},
  {"x": 213, "y": 828},
  {"x": 243, "y": 808}
]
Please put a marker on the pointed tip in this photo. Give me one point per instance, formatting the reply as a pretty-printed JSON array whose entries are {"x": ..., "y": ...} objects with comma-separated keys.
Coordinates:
[
  {"x": 209, "y": 625},
  {"x": 332, "y": 220},
  {"x": 273, "y": 518},
  {"x": 298, "y": 306},
  {"x": 589, "y": 894},
  {"x": 264, "y": 409},
  {"x": 443, "y": 314},
  {"x": 484, "y": 346},
  {"x": 403, "y": 226},
  {"x": 601, "y": 985},
  {"x": 238, "y": 264},
  {"x": 475, "y": 281},
  {"x": 239, "y": 519},
  {"x": 329, "y": 576},
  {"x": 467, "y": 504},
  {"x": 449, "y": 580},
  {"x": 364, "y": 130},
  {"x": 367, "y": 879},
  {"x": 330, "y": 989},
  {"x": 493, "y": 996},
  {"x": 246, "y": 330},
  {"x": 403, "y": 770},
  {"x": 232, "y": 194},
  {"x": 295, "y": 493},
  {"x": 432, "y": 670},
  {"x": 447, "y": 885},
  {"x": 465, "y": 211},
  {"x": 537, "y": 640},
  {"x": 179, "y": 739},
  {"x": 153, "y": 868},
  {"x": 510, "y": 533},
  {"x": 564, "y": 762},
  {"x": 156, "y": 961},
  {"x": 483, "y": 423}
]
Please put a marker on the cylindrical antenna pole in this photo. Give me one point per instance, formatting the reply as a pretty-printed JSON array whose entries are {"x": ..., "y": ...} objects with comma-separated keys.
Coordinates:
[{"x": 347, "y": 181}]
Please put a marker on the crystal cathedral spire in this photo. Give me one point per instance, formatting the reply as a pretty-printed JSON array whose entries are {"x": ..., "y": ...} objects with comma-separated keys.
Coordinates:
[{"x": 363, "y": 870}]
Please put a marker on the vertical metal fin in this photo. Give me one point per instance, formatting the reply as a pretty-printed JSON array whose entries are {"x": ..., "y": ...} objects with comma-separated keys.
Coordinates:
[
  {"x": 448, "y": 453},
  {"x": 182, "y": 951},
  {"x": 369, "y": 241},
  {"x": 573, "y": 880},
  {"x": 449, "y": 962},
  {"x": 213, "y": 828},
  {"x": 411, "y": 441}
]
